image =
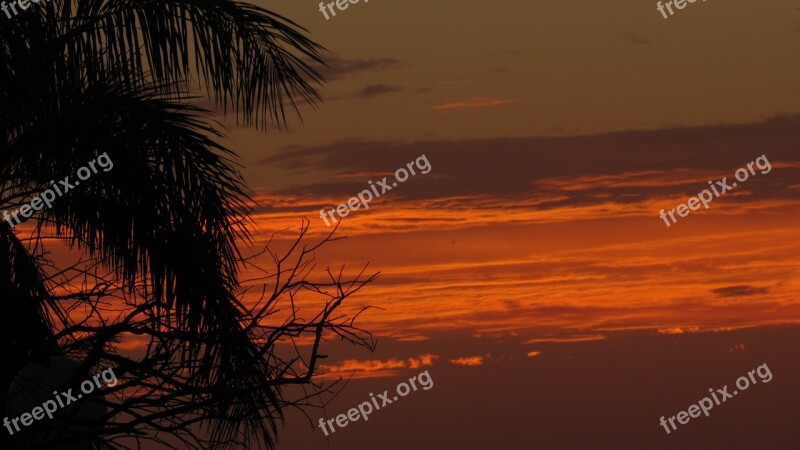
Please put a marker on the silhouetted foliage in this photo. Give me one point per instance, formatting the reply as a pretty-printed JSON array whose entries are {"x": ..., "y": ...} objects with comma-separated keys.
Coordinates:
[
  {"x": 160, "y": 233},
  {"x": 164, "y": 390}
]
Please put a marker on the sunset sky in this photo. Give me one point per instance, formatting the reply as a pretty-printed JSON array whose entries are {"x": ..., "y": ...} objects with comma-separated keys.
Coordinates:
[{"x": 529, "y": 271}]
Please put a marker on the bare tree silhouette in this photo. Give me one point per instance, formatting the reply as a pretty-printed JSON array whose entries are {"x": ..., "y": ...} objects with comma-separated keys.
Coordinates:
[
  {"x": 165, "y": 394},
  {"x": 159, "y": 234}
]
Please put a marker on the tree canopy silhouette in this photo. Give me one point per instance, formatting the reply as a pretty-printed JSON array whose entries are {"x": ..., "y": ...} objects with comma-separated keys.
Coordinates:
[{"x": 159, "y": 233}]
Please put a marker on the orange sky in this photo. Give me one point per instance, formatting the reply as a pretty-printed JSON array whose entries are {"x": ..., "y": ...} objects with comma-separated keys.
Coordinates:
[
  {"x": 564, "y": 250},
  {"x": 556, "y": 131}
]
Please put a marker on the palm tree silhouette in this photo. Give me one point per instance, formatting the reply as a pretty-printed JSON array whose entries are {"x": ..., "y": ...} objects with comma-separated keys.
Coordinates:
[{"x": 79, "y": 78}]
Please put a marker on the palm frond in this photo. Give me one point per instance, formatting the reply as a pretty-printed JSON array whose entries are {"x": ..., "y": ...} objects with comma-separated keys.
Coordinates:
[
  {"x": 247, "y": 58},
  {"x": 173, "y": 207}
]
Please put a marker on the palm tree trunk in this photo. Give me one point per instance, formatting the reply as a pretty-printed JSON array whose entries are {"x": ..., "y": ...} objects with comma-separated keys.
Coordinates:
[{"x": 29, "y": 336}]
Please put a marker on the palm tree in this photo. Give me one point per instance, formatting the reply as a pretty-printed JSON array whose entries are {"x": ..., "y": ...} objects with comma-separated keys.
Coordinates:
[{"x": 79, "y": 78}]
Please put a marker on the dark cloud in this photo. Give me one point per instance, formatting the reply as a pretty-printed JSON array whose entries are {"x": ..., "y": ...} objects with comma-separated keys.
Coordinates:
[
  {"x": 339, "y": 67},
  {"x": 740, "y": 291},
  {"x": 514, "y": 167},
  {"x": 378, "y": 89},
  {"x": 374, "y": 90},
  {"x": 634, "y": 38}
]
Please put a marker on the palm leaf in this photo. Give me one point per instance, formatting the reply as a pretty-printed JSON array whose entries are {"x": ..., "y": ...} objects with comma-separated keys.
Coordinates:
[{"x": 247, "y": 58}]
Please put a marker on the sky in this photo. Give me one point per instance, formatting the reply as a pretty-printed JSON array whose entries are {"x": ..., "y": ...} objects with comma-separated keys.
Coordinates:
[
  {"x": 451, "y": 70},
  {"x": 529, "y": 271}
]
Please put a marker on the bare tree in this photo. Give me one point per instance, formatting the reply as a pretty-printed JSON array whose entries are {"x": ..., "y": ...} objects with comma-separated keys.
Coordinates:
[{"x": 165, "y": 395}]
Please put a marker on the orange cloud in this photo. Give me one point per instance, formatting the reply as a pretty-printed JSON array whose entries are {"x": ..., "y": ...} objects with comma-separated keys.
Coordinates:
[
  {"x": 574, "y": 257},
  {"x": 595, "y": 337},
  {"x": 411, "y": 338},
  {"x": 468, "y": 361},
  {"x": 422, "y": 361},
  {"x": 475, "y": 102},
  {"x": 533, "y": 354},
  {"x": 679, "y": 330},
  {"x": 374, "y": 368}
]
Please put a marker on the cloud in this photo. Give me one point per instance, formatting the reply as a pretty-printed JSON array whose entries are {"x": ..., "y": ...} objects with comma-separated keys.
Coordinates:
[
  {"x": 740, "y": 291},
  {"x": 533, "y": 354},
  {"x": 412, "y": 338},
  {"x": 469, "y": 361},
  {"x": 422, "y": 361},
  {"x": 475, "y": 102},
  {"x": 339, "y": 67},
  {"x": 737, "y": 348},
  {"x": 378, "y": 89},
  {"x": 578, "y": 171},
  {"x": 375, "y": 367},
  {"x": 374, "y": 90},
  {"x": 679, "y": 330},
  {"x": 633, "y": 38},
  {"x": 585, "y": 338}
]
